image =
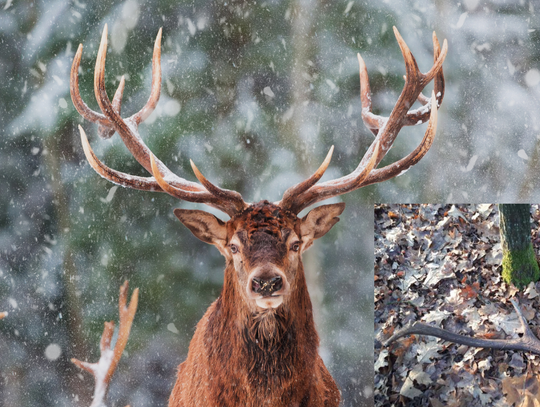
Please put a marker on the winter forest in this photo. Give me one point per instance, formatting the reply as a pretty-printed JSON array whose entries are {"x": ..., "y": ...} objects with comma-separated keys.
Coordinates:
[{"x": 255, "y": 93}]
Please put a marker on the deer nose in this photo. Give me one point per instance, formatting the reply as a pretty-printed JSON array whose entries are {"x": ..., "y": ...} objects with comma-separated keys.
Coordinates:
[{"x": 266, "y": 287}]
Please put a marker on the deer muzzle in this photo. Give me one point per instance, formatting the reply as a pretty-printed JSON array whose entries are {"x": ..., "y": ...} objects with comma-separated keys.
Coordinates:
[{"x": 267, "y": 285}]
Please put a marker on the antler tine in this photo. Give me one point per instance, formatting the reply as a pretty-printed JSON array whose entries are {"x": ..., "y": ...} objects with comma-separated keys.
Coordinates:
[
  {"x": 386, "y": 129},
  {"x": 291, "y": 193},
  {"x": 155, "y": 91},
  {"x": 127, "y": 313},
  {"x": 421, "y": 115},
  {"x": 120, "y": 178},
  {"x": 411, "y": 67},
  {"x": 401, "y": 166},
  {"x": 328, "y": 189},
  {"x": 438, "y": 59},
  {"x": 414, "y": 83},
  {"x": 127, "y": 132},
  {"x": 155, "y": 184},
  {"x": 104, "y": 369},
  {"x": 105, "y": 129},
  {"x": 373, "y": 122},
  {"x": 140, "y": 153},
  {"x": 108, "y": 131},
  {"x": 79, "y": 104},
  {"x": 414, "y": 117},
  {"x": 226, "y": 201},
  {"x": 225, "y": 194}
]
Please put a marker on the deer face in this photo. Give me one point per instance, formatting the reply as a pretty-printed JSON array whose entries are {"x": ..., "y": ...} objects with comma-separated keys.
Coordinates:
[
  {"x": 264, "y": 244},
  {"x": 265, "y": 250},
  {"x": 265, "y": 262}
]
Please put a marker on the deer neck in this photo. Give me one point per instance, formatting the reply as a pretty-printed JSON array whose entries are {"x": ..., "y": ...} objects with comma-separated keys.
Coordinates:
[{"x": 271, "y": 345}]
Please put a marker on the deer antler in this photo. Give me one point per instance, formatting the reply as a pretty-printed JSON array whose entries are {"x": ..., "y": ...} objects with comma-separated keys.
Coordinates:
[
  {"x": 386, "y": 130},
  {"x": 295, "y": 198},
  {"x": 104, "y": 369},
  {"x": 528, "y": 342},
  {"x": 110, "y": 121}
]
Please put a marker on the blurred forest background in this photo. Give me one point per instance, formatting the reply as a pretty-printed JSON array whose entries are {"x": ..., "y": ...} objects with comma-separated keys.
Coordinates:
[{"x": 255, "y": 92}]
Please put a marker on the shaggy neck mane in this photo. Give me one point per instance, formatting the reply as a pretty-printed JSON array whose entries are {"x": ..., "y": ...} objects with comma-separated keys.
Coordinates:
[
  {"x": 266, "y": 329},
  {"x": 270, "y": 346}
]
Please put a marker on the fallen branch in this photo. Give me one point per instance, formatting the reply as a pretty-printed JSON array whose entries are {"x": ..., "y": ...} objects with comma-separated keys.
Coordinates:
[
  {"x": 108, "y": 361},
  {"x": 528, "y": 342}
]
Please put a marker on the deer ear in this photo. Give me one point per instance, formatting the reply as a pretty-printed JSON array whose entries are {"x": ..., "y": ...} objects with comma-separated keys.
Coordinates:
[
  {"x": 204, "y": 225},
  {"x": 319, "y": 221}
]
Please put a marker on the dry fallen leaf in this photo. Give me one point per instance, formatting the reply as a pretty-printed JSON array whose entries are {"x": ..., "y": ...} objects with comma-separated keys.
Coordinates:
[
  {"x": 522, "y": 391},
  {"x": 442, "y": 263}
]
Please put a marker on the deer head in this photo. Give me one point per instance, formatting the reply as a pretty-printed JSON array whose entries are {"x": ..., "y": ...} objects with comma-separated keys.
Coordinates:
[{"x": 264, "y": 241}]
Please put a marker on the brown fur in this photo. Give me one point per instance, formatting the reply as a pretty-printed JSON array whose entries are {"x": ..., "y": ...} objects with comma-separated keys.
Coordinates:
[{"x": 242, "y": 355}]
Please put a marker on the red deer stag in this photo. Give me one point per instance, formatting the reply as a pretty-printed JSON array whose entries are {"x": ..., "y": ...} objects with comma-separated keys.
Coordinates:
[{"x": 257, "y": 343}]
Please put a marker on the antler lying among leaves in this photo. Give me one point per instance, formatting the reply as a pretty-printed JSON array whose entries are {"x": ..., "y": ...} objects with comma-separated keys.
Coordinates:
[
  {"x": 105, "y": 367},
  {"x": 528, "y": 342}
]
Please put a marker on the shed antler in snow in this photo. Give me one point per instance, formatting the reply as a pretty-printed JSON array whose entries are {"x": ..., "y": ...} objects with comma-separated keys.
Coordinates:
[{"x": 104, "y": 369}]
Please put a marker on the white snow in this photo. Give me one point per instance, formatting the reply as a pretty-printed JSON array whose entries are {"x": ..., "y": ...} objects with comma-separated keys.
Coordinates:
[
  {"x": 461, "y": 20},
  {"x": 522, "y": 154},
  {"x": 53, "y": 351},
  {"x": 532, "y": 78},
  {"x": 268, "y": 92},
  {"x": 471, "y": 5},
  {"x": 332, "y": 85},
  {"x": 192, "y": 28},
  {"x": 110, "y": 195},
  {"x": 172, "y": 108},
  {"x": 471, "y": 164}
]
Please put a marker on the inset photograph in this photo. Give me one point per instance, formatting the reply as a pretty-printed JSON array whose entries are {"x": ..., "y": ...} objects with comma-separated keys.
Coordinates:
[{"x": 456, "y": 305}]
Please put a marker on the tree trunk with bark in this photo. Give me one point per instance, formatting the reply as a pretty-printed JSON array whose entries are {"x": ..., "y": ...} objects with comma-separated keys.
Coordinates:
[{"x": 519, "y": 260}]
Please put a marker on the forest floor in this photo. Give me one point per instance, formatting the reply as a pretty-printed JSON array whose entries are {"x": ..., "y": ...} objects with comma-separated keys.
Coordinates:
[{"x": 441, "y": 264}]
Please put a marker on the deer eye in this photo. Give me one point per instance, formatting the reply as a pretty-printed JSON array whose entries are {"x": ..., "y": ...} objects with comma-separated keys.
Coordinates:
[
  {"x": 234, "y": 248},
  {"x": 295, "y": 246}
]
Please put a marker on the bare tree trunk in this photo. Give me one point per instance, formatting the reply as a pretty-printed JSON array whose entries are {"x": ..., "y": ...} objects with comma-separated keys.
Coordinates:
[
  {"x": 302, "y": 19},
  {"x": 72, "y": 308},
  {"x": 519, "y": 261}
]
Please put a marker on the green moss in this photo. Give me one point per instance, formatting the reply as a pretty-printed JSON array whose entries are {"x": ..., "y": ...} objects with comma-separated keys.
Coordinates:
[{"x": 520, "y": 267}]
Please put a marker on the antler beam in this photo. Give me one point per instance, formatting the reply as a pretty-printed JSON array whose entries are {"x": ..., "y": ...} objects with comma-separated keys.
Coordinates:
[
  {"x": 385, "y": 129},
  {"x": 110, "y": 121}
]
